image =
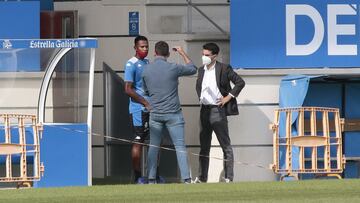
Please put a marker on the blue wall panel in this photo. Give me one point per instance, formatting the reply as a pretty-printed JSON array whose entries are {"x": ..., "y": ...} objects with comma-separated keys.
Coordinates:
[
  {"x": 352, "y": 101},
  {"x": 19, "y": 20},
  {"x": 352, "y": 144},
  {"x": 64, "y": 152},
  {"x": 324, "y": 95},
  {"x": 352, "y": 170},
  {"x": 352, "y": 111},
  {"x": 44, "y": 4}
]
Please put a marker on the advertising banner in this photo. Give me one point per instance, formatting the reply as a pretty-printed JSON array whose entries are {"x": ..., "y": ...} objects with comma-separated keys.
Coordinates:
[{"x": 295, "y": 33}]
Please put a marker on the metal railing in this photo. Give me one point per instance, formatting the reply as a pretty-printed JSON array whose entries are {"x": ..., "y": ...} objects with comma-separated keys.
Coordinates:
[
  {"x": 298, "y": 129},
  {"x": 14, "y": 124}
]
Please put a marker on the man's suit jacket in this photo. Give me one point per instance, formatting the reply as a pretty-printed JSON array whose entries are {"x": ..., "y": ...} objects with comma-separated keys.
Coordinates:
[{"x": 224, "y": 74}]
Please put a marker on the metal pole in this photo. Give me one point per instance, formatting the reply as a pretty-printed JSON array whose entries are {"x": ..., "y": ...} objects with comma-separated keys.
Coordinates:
[
  {"x": 90, "y": 112},
  {"x": 189, "y": 17}
]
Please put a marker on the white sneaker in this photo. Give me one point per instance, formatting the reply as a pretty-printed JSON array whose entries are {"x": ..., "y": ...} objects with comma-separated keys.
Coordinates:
[
  {"x": 197, "y": 180},
  {"x": 227, "y": 180}
]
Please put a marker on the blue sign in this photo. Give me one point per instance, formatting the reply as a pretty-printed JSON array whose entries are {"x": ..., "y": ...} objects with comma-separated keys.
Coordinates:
[
  {"x": 24, "y": 54},
  {"x": 19, "y": 20},
  {"x": 134, "y": 23},
  {"x": 295, "y": 33},
  {"x": 47, "y": 43}
]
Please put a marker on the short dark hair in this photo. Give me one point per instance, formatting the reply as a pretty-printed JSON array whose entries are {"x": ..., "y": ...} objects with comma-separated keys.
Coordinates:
[
  {"x": 140, "y": 38},
  {"x": 214, "y": 48},
  {"x": 162, "y": 48}
]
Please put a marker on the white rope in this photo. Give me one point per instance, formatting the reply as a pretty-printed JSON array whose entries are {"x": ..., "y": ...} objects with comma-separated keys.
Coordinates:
[{"x": 149, "y": 145}]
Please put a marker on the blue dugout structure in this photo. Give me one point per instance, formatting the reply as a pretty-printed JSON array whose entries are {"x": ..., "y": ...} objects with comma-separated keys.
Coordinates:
[
  {"x": 67, "y": 91},
  {"x": 325, "y": 91}
]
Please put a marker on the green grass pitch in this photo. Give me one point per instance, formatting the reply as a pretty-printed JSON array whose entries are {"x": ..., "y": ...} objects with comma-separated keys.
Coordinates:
[{"x": 292, "y": 191}]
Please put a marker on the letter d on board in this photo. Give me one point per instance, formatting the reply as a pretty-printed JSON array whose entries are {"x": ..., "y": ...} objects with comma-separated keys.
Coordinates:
[{"x": 292, "y": 49}]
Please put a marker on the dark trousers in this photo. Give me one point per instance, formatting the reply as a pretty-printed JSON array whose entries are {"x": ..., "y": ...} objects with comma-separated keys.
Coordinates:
[{"x": 213, "y": 118}]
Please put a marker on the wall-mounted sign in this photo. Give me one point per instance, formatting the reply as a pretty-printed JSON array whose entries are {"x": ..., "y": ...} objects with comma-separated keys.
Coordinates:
[
  {"x": 134, "y": 23},
  {"x": 47, "y": 43}
]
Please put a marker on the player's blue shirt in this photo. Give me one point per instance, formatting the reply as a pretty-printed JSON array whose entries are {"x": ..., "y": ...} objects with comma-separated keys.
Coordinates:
[{"x": 133, "y": 71}]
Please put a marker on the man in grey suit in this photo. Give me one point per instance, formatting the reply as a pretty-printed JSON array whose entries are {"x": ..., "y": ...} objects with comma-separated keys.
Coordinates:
[
  {"x": 160, "y": 81},
  {"x": 218, "y": 100}
]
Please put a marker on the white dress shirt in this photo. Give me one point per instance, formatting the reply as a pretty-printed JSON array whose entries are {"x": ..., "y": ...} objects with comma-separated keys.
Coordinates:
[{"x": 210, "y": 94}]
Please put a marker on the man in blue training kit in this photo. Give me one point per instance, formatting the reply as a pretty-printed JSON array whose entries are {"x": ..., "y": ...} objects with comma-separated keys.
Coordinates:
[{"x": 138, "y": 105}]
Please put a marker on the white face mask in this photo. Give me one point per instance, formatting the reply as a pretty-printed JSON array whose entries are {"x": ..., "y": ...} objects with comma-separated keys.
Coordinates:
[{"x": 206, "y": 60}]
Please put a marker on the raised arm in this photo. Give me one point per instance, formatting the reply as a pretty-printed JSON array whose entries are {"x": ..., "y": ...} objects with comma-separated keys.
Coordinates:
[
  {"x": 189, "y": 68},
  {"x": 182, "y": 53}
]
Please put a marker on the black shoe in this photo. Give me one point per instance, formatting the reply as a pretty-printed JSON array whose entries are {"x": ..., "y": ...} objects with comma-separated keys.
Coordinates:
[{"x": 188, "y": 181}]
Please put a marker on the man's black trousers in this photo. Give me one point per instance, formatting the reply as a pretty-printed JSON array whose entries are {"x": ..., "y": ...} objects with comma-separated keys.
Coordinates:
[{"x": 213, "y": 118}]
